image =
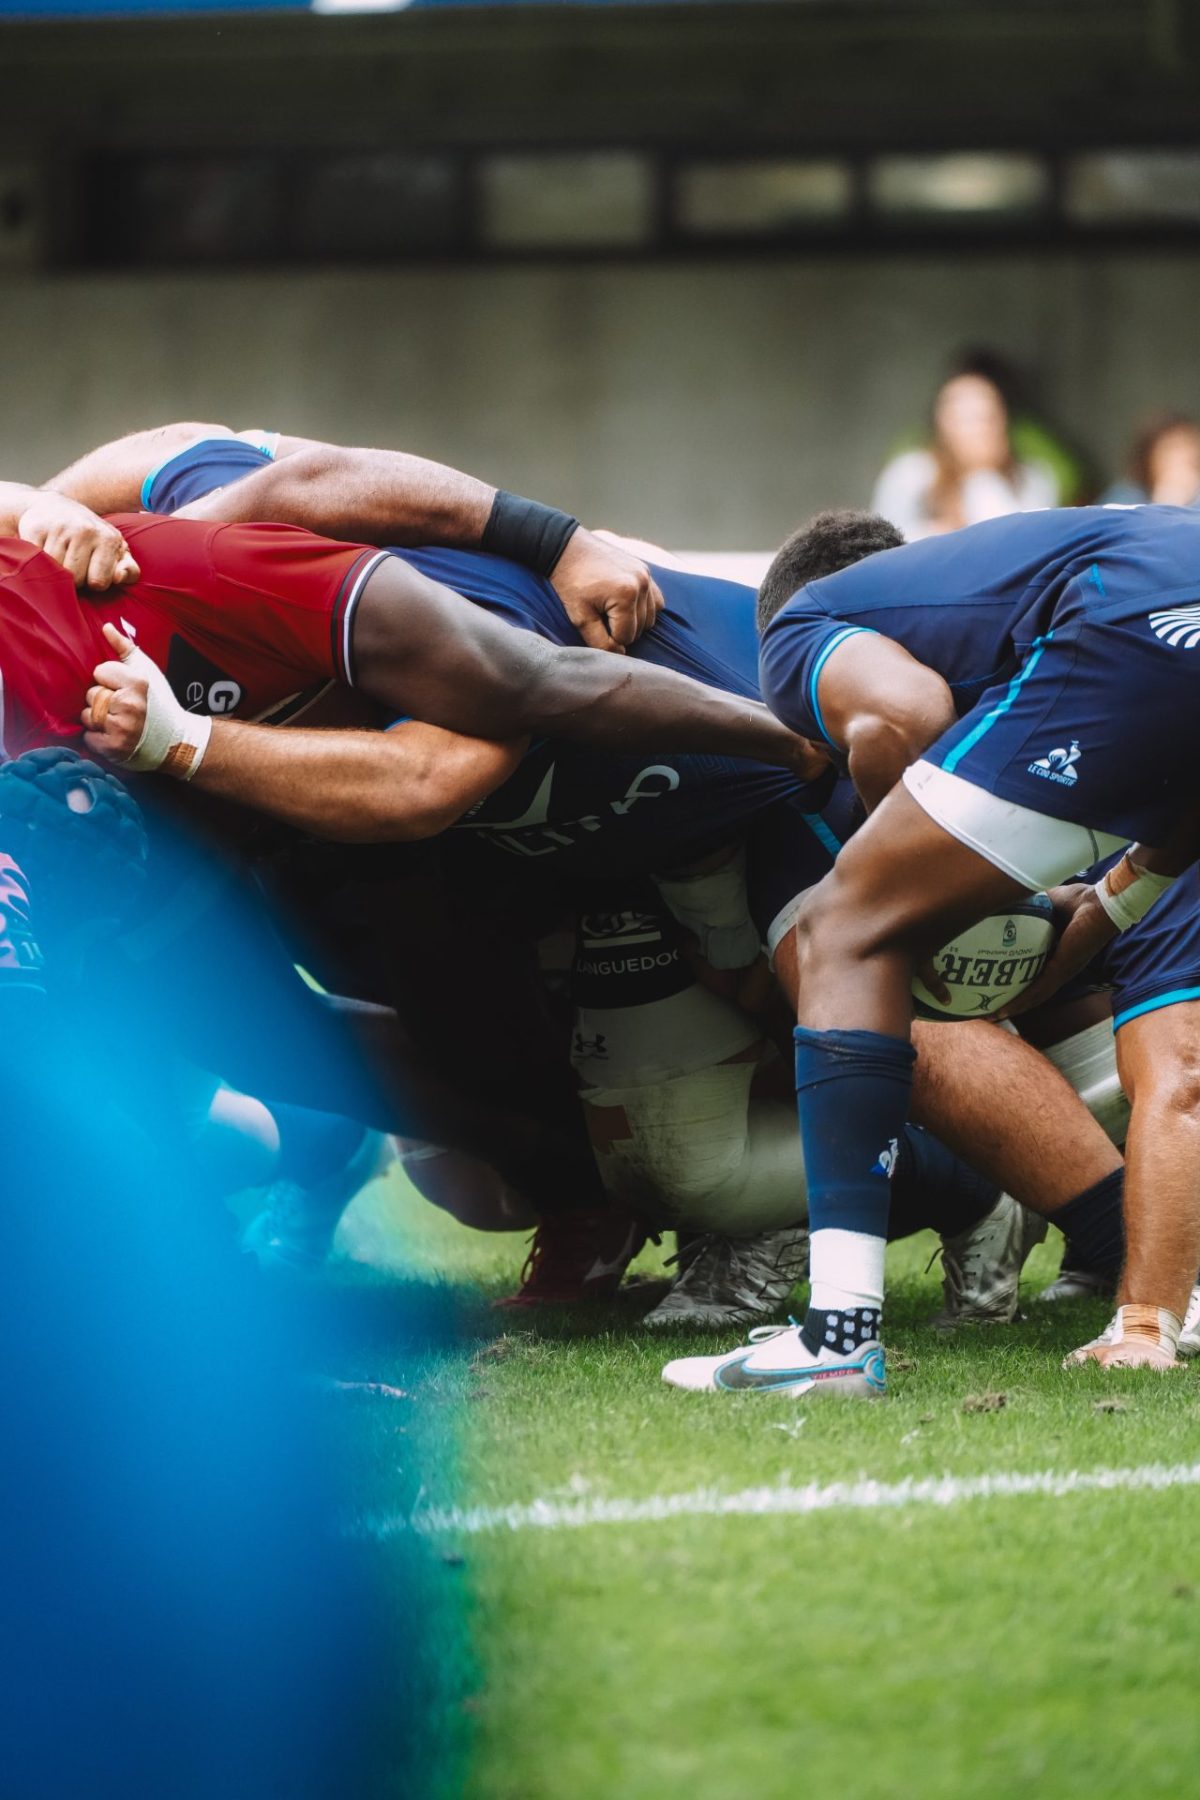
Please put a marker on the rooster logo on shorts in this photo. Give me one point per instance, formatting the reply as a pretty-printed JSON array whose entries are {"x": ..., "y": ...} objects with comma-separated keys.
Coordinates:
[{"x": 1058, "y": 765}]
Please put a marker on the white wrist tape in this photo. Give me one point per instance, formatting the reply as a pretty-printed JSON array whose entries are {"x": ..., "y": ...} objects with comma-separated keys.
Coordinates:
[
  {"x": 1135, "y": 893},
  {"x": 716, "y": 910},
  {"x": 173, "y": 739}
]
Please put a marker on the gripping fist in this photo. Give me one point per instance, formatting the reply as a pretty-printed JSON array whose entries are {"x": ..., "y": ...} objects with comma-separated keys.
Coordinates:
[
  {"x": 92, "y": 551},
  {"x": 134, "y": 719},
  {"x": 608, "y": 595}
]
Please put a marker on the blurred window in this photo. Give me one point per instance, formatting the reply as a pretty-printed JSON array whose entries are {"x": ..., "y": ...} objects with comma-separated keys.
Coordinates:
[
  {"x": 980, "y": 187},
  {"x": 1128, "y": 187},
  {"x": 761, "y": 199},
  {"x": 194, "y": 209},
  {"x": 386, "y": 205},
  {"x": 576, "y": 200}
]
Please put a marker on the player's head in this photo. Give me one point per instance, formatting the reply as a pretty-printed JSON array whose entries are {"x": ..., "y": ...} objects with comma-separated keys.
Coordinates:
[{"x": 831, "y": 541}]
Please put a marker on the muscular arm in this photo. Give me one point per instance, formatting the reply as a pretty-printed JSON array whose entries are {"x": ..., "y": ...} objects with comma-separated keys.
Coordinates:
[
  {"x": 357, "y": 786},
  {"x": 883, "y": 708},
  {"x": 386, "y": 497},
  {"x": 422, "y": 650},
  {"x": 375, "y": 497},
  {"x": 109, "y": 479},
  {"x": 364, "y": 496}
]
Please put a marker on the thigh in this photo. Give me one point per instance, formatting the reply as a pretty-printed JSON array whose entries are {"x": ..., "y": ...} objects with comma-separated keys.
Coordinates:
[
  {"x": 904, "y": 883},
  {"x": 1095, "y": 728},
  {"x": 1158, "y": 1057}
]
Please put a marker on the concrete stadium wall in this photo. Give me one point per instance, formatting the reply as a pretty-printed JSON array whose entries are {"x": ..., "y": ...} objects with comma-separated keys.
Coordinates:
[{"x": 707, "y": 405}]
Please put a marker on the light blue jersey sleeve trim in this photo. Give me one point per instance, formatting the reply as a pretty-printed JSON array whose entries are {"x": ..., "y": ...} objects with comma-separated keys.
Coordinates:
[
  {"x": 1174, "y": 998},
  {"x": 156, "y": 471},
  {"x": 266, "y": 442},
  {"x": 1001, "y": 707},
  {"x": 826, "y": 651}
]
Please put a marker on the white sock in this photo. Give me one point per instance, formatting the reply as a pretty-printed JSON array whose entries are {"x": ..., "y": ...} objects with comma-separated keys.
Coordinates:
[{"x": 847, "y": 1270}]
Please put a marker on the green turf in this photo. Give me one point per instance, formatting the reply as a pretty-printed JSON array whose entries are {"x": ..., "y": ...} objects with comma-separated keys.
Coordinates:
[{"x": 997, "y": 1647}]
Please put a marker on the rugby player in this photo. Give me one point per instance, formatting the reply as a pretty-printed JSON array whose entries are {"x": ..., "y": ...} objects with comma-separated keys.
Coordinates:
[
  {"x": 376, "y": 496},
  {"x": 570, "y": 810},
  {"x": 1012, "y": 701},
  {"x": 197, "y": 576}
]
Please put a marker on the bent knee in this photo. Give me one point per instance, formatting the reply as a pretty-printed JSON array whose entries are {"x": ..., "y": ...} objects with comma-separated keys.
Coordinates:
[
  {"x": 1159, "y": 1062},
  {"x": 838, "y": 924},
  {"x": 1170, "y": 1090}
]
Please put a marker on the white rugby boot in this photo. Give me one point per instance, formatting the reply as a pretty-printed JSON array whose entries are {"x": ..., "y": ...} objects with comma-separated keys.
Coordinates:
[
  {"x": 981, "y": 1267},
  {"x": 1189, "y": 1337},
  {"x": 777, "y": 1361},
  {"x": 733, "y": 1281},
  {"x": 1079, "y": 1284}
]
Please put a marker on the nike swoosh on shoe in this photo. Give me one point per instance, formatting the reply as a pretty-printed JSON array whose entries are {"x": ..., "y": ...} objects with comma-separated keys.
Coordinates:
[{"x": 734, "y": 1374}]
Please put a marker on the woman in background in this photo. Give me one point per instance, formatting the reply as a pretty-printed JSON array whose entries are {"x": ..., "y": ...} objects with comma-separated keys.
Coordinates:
[{"x": 969, "y": 471}]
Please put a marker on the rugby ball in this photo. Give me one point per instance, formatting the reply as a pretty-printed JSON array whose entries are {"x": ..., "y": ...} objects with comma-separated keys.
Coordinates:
[{"x": 991, "y": 963}]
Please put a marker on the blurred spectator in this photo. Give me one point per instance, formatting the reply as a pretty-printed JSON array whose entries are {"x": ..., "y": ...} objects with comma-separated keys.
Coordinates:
[
  {"x": 1164, "y": 464},
  {"x": 1035, "y": 437},
  {"x": 970, "y": 469}
]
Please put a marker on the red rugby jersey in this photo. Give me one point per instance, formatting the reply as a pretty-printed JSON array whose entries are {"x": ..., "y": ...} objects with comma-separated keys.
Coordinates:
[{"x": 240, "y": 617}]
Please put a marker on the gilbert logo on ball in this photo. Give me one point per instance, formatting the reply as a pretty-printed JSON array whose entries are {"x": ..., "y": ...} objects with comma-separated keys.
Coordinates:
[{"x": 991, "y": 963}]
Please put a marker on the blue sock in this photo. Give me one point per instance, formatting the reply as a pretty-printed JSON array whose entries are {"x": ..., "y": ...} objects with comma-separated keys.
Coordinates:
[
  {"x": 852, "y": 1095},
  {"x": 1093, "y": 1224},
  {"x": 313, "y": 1144},
  {"x": 935, "y": 1190}
]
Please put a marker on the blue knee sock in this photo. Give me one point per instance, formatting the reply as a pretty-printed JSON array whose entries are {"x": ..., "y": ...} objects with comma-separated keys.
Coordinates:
[
  {"x": 935, "y": 1190},
  {"x": 852, "y": 1095},
  {"x": 313, "y": 1145},
  {"x": 1094, "y": 1227}
]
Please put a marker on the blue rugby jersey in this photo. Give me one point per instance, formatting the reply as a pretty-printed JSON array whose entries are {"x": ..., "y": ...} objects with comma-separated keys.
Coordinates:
[
  {"x": 972, "y": 603},
  {"x": 590, "y": 811},
  {"x": 596, "y": 811},
  {"x": 1071, "y": 644}
]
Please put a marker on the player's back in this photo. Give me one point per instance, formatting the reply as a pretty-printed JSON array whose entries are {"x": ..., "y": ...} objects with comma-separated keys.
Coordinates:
[
  {"x": 971, "y": 602},
  {"x": 602, "y": 811},
  {"x": 706, "y": 629}
]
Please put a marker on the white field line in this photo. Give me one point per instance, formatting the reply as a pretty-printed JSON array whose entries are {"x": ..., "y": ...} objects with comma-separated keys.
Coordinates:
[{"x": 836, "y": 1496}]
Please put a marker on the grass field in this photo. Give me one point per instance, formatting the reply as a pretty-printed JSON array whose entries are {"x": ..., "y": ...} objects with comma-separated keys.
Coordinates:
[{"x": 981, "y": 1646}]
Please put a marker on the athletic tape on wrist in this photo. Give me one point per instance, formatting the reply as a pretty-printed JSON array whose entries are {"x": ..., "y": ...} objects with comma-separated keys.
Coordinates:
[
  {"x": 1135, "y": 893},
  {"x": 526, "y": 532},
  {"x": 172, "y": 739}
]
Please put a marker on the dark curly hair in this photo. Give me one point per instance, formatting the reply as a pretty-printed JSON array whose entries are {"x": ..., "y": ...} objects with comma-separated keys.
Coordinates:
[{"x": 831, "y": 541}]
